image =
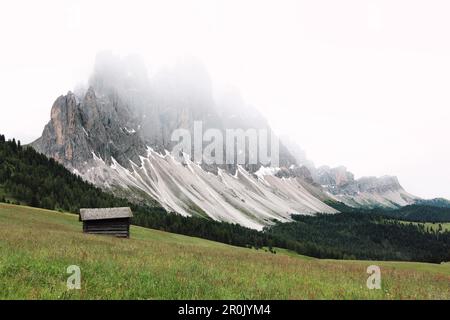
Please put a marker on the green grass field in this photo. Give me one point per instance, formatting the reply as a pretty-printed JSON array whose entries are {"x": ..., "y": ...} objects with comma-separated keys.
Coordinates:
[
  {"x": 37, "y": 246},
  {"x": 432, "y": 226}
]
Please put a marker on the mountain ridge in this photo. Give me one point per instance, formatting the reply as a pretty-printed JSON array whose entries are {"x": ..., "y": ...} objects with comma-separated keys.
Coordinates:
[{"x": 116, "y": 135}]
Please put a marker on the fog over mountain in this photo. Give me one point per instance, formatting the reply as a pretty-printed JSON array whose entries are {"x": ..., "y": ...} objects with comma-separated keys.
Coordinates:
[
  {"x": 117, "y": 134},
  {"x": 359, "y": 84}
]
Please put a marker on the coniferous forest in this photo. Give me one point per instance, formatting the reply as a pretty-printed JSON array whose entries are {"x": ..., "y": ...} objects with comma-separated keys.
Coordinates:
[
  {"x": 365, "y": 236},
  {"x": 29, "y": 178}
]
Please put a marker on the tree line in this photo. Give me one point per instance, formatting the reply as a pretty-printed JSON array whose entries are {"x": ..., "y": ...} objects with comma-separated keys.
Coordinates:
[{"x": 28, "y": 177}]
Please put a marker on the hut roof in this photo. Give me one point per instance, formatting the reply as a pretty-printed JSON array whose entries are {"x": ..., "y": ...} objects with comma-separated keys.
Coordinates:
[{"x": 105, "y": 213}]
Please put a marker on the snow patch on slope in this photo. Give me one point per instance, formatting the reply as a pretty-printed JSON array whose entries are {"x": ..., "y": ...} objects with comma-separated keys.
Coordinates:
[{"x": 184, "y": 187}]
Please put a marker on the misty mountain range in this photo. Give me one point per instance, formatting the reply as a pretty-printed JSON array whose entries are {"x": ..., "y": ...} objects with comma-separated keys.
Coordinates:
[{"x": 116, "y": 134}]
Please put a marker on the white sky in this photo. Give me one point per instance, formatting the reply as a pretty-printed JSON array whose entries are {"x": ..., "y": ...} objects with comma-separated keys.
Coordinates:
[{"x": 365, "y": 84}]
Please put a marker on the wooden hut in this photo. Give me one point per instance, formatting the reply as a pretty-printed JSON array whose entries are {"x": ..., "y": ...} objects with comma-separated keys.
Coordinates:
[{"x": 108, "y": 221}]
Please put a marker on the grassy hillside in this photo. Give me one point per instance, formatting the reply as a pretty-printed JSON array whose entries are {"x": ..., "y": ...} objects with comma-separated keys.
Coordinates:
[
  {"x": 36, "y": 247},
  {"x": 433, "y": 227},
  {"x": 30, "y": 178}
]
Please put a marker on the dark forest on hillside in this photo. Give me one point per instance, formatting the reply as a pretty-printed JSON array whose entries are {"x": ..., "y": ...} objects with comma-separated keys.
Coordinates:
[{"x": 366, "y": 237}]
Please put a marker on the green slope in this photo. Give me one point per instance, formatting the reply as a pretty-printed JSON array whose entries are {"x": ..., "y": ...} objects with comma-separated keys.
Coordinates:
[{"x": 36, "y": 247}]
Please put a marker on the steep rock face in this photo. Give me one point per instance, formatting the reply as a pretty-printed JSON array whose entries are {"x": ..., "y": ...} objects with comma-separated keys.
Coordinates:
[
  {"x": 340, "y": 184},
  {"x": 80, "y": 127},
  {"x": 117, "y": 134},
  {"x": 100, "y": 138},
  {"x": 63, "y": 138},
  {"x": 338, "y": 176},
  {"x": 378, "y": 185},
  {"x": 366, "y": 192},
  {"x": 123, "y": 112}
]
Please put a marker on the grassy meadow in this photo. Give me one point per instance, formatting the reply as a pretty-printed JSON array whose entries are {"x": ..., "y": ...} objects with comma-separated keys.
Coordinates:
[
  {"x": 445, "y": 226},
  {"x": 37, "y": 246}
]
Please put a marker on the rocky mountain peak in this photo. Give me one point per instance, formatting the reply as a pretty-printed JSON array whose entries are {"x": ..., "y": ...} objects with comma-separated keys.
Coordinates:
[
  {"x": 342, "y": 186},
  {"x": 90, "y": 95},
  {"x": 81, "y": 127},
  {"x": 116, "y": 132},
  {"x": 338, "y": 176},
  {"x": 381, "y": 184}
]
